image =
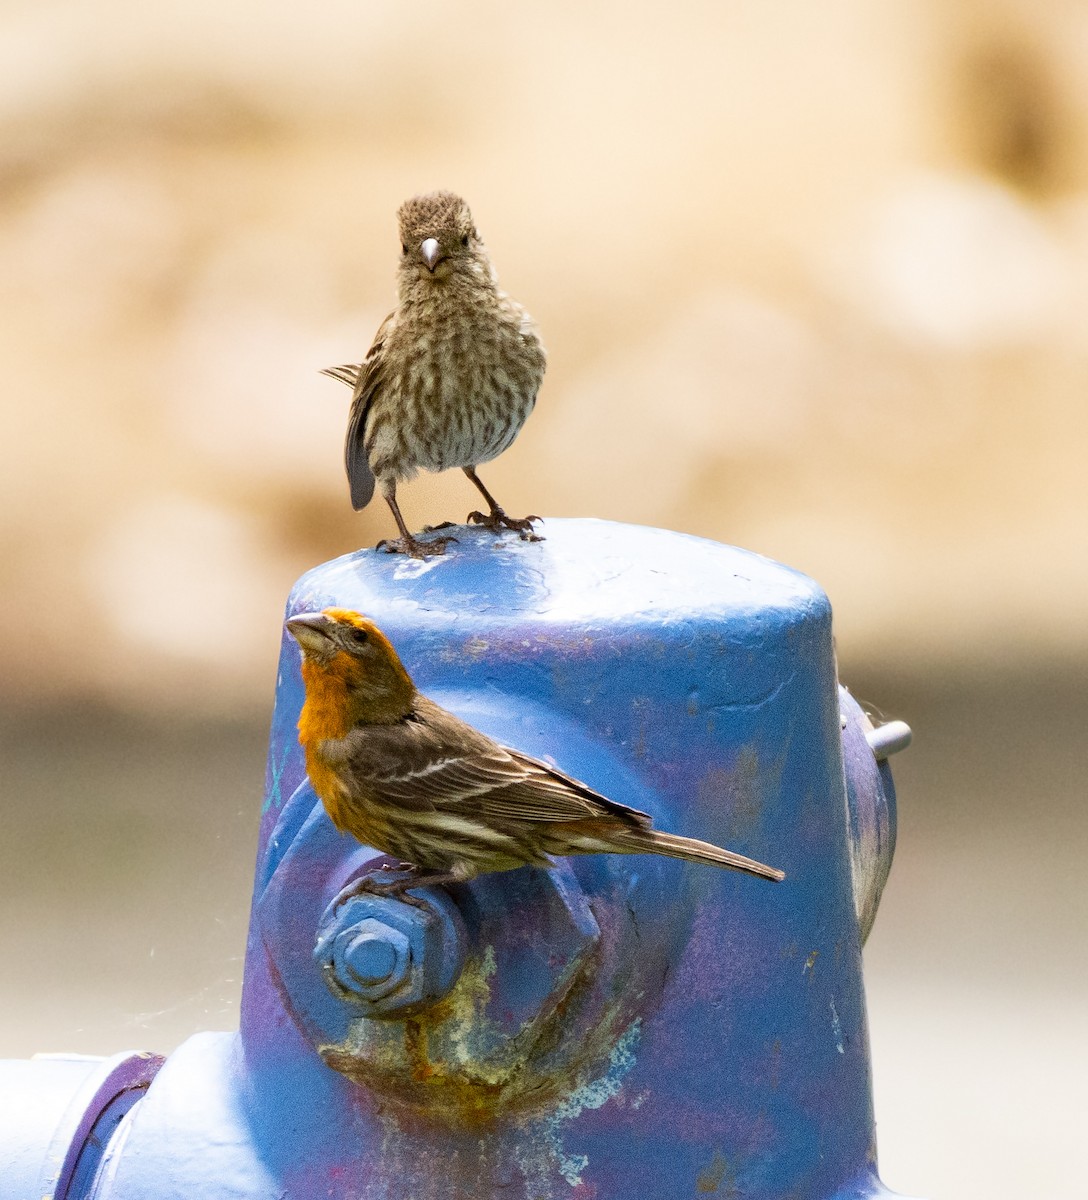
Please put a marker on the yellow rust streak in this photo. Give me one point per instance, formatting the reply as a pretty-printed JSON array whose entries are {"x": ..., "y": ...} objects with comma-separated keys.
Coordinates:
[{"x": 415, "y": 1043}]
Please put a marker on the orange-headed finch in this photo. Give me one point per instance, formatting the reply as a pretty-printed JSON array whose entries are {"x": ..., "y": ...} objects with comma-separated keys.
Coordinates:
[
  {"x": 452, "y": 375},
  {"x": 412, "y": 780}
]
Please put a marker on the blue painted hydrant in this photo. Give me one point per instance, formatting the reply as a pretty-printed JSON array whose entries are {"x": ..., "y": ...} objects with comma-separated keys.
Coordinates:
[{"x": 617, "y": 1027}]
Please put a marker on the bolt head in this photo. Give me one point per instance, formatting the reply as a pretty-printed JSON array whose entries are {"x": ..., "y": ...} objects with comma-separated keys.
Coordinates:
[
  {"x": 370, "y": 958},
  {"x": 367, "y": 960},
  {"x": 388, "y": 958}
]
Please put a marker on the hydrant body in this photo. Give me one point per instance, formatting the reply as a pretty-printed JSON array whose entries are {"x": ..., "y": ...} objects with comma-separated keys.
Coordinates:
[{"x": 617, "y": 1027}]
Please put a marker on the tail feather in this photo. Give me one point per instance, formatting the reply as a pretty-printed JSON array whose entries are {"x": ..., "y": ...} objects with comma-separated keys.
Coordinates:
[{"x": 654, "y": 841}]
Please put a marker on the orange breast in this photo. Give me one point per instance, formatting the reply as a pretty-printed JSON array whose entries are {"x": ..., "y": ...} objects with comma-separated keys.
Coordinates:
[
  {"x": 326, "y": 783},
  {"x": 326, "y": 716}
]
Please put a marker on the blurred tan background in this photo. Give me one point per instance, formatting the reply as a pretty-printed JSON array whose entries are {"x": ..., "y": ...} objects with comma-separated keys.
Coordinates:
[{"x": 812, "y": 279}]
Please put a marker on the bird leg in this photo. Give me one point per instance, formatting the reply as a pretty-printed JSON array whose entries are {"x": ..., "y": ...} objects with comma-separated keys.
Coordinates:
[
  {"x": 496, "y": 520},
  {"x": 406, "y": 544},
  {"x": 370, "y": 885},
  {"x": 411, "y": 876}
]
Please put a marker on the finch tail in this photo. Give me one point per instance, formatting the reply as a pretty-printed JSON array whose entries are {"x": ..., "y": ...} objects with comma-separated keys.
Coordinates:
[{"x": 671, "y": 845}]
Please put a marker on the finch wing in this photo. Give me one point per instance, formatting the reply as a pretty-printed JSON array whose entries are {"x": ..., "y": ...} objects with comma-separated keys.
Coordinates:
[
  {"x": 547, "y": 780},
  {"x": 438, "y": 762},
  {"x": 348, "y": 373},
  {"x": 365, "y": 380}
]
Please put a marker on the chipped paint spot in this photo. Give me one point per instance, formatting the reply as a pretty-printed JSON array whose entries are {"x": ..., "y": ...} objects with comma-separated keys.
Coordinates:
[
  {"x": 413, "y": 568},
  {"x": 810, "y": 962},
  {"x": 836, "y": 1027},
  {"x": 592, "y": 1095},
  {"x": 710, "y": 1179},
  {"x": 468, "y": 1016},
  {"x": 444, "y": 1051}
]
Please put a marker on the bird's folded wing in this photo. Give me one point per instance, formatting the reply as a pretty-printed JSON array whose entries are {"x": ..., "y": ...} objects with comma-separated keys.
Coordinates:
[
  {"x": 348, "y": 373},
  {"x": 365, "y": 380},
  {"x": 595, "y": 805},
  {"x": 491, "y": 781}
]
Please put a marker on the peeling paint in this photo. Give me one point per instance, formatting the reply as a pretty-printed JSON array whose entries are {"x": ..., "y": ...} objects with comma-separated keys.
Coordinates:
[
  {"x": 836, "y": 1026},
  {"x": 531, "y": 1018},
  {"x": 413, "y": 568},
  {"x": 592, "y": 1095}
]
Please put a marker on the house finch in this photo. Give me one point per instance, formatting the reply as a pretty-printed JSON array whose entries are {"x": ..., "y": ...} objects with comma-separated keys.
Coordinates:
[
  {"x": 409, "y": 778},
  {"x": 452, "y": 375}
]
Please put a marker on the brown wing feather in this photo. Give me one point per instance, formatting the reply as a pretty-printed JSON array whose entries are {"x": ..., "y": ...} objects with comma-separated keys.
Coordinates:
[
  {"x": 434, "y": 760},
  {"x": 366, "y": 380},
  {"x": 593, "y": 804},
  {"x": 348, "y": 373}
]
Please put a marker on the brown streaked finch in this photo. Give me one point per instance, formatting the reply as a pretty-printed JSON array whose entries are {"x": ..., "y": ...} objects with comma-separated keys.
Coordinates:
[
  {"x": 407, "y": 777},
  {"x": 452, "y": 375}
]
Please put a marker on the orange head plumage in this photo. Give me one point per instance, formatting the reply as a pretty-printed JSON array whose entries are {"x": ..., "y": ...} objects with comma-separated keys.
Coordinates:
[{"x": 351, "y": 673}]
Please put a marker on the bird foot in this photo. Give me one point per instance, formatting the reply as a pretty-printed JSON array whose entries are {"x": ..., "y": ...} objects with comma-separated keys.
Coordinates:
[
  {"x": 413, "y": 547},
  {"x": 436, "y": 528},
  {"x": 497, "y": 521},
  {"x": 370, "y": 885}
]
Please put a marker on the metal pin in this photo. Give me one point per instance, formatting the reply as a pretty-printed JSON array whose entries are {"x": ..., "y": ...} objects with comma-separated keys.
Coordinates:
[{"x": 888, "y": 739}]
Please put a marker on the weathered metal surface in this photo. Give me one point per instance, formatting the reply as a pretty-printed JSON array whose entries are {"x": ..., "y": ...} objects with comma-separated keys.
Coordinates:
[
  {"x": 58, "y": 1112},
  {"x": 870, "y": 798},
  {"x": 619, "y": 1027}
]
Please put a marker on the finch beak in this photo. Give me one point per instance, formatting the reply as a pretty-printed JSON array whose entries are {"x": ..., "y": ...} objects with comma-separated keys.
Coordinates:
[
  {"x": 312, "y": 631},
  {"x": 431, "y": 252}
]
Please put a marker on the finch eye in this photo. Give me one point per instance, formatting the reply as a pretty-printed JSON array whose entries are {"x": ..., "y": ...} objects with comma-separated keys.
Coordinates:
[
  {"x": 359, "y": 636},
  {"x": 404, "y": 247}
]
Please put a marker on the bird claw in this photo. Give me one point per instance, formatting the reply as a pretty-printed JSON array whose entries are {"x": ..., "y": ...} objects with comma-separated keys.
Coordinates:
[
  {"x": 390, "y": 889},
  {"x": 498, "y": 521},
  {"x": 443, "y": 525},
  {"x": 413, "y": 547}
]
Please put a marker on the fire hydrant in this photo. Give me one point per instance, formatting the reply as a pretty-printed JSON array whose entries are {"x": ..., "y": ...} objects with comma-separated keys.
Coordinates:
[{"x": 615, "y": 1027}]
